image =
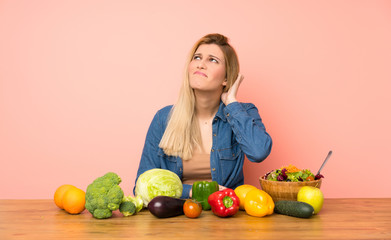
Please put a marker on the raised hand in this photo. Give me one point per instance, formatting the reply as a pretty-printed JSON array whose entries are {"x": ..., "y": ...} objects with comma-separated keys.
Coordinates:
[{"x": 230, "y": 96}]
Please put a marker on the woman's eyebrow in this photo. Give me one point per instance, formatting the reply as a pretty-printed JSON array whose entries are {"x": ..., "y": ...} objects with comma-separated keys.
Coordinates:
[{"x": 210, "y": 55}]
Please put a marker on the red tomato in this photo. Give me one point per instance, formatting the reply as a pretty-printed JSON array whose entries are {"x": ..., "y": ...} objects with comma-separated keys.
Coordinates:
[{"x": 192, "y": 208}]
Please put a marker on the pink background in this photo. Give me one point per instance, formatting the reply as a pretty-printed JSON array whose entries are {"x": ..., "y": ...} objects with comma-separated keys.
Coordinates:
[{"x": 81, "y": 80}]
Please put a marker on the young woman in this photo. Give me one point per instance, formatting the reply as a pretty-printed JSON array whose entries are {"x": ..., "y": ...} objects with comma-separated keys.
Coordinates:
[{"x": 207, "y": 133}]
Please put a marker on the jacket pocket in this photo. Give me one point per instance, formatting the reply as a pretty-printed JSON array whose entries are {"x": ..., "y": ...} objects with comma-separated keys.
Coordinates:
[
  {"x": 230, "y": 153},
  {"x": 230, "y": 163}
]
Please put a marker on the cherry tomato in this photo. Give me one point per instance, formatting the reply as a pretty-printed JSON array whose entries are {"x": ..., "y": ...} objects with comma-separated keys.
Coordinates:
[
  {"x": 192, "y": 208},
  {"x": 310, "y": 178}
]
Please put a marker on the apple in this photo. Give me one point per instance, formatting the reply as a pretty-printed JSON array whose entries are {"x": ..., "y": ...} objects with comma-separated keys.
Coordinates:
[{"x": 312, "y": 196}]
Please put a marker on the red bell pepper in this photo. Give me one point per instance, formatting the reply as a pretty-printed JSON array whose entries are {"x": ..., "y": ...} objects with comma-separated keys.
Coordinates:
[{"x": 224, "y": 203}]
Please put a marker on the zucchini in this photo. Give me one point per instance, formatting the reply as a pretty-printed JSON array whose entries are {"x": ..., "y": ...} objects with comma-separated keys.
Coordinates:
[{"x": 294, "y": 208}]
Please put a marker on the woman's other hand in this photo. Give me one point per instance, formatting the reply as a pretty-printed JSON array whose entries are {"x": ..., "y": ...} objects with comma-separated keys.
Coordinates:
[{"x": 230, "y": 96}]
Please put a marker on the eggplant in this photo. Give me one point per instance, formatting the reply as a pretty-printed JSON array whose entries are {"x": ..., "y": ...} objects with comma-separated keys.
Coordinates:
[{"x": 165, "y": 207}]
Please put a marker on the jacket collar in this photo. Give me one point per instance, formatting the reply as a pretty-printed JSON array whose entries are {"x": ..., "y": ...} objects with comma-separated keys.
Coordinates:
[{"x": 220, "y": 112}]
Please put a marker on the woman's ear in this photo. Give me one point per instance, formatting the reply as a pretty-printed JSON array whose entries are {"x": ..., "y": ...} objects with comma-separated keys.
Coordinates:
[{"x": 225, "y": 82}]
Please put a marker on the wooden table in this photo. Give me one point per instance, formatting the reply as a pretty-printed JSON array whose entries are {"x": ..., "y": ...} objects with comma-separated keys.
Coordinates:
[{"x": 339, "y": 219}]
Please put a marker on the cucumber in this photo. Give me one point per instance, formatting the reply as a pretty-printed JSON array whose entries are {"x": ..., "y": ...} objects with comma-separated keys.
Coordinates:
[{"x": 294, "y": 208}]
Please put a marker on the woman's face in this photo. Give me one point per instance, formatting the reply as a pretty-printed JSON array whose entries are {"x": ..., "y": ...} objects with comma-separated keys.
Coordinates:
[{"x": 207, "y": 68}]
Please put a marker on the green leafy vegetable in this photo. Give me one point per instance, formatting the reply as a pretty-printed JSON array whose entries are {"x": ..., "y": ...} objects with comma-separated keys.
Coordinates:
[{"x": 158, "y": 182}]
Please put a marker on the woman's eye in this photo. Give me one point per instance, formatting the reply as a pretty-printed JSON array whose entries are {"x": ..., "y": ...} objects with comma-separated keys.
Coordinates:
[
  {"x": 213, "y": 60},
  {"x": 196, "y": 57}
]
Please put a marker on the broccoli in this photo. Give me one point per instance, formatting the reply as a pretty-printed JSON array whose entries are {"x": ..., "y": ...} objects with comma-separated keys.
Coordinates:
[
  {"x": 137, "y": 201},
  {"x": 127, "y": 208},
  {"x": 104, "y": 195}
]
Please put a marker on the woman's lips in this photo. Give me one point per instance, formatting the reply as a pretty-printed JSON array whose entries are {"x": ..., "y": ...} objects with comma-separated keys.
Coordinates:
[{"x": 200, "y": 73}]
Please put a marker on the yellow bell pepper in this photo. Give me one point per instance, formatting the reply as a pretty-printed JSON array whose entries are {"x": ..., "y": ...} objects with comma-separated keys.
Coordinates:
[
  {"x": 241, "y": 192},
  {"x": 258, "y": 203}
]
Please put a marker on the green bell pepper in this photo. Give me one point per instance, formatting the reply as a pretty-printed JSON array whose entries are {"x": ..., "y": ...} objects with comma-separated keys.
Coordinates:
[{"x": 201, "y": 191}]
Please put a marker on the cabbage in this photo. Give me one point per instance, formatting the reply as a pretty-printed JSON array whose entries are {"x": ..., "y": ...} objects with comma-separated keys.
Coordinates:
[{"x": 158, "y": 182}]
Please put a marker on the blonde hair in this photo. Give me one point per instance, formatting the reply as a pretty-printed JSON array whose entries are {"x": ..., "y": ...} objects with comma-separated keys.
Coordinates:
[{"x": 182, "y": 134}]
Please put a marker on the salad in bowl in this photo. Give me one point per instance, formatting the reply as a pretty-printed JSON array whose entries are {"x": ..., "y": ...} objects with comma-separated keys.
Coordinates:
[{"x": 291, "y": 174}]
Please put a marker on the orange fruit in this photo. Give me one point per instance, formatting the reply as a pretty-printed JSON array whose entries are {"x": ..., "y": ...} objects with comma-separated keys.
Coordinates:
[
  {"x": 74, "y": 200},
  {"x": 241, "y": 191},
  {"x": 59, "y": 194}
]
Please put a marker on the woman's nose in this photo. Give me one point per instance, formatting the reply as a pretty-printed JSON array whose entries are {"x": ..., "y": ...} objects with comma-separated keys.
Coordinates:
[{"x": 201, "y": 64}]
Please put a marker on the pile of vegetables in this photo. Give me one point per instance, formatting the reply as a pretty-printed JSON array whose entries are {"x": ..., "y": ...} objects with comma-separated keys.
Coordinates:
[{"x": 160, "y": 190}]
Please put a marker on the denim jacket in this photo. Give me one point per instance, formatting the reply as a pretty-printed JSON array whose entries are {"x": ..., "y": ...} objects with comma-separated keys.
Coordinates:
[{"x": 237, "y": 131}]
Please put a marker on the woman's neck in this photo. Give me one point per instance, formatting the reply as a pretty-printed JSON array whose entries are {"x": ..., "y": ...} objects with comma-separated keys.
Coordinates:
[{"x": 206, "y": 105}]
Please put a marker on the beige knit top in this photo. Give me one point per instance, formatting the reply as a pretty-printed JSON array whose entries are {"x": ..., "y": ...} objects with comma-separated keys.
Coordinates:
[{"x": 197, "y": 168}]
